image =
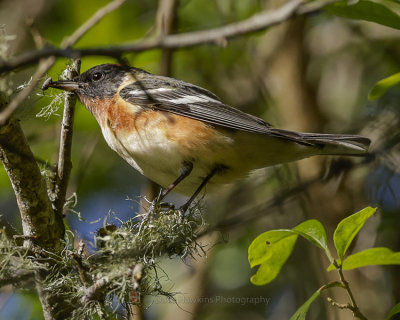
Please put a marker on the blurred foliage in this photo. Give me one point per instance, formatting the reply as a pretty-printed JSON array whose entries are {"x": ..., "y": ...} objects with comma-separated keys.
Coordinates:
[
  {"x": 367, "y": 10},
  {"x": 383, "y": 85},
  {"x": 339, "y": 61}
]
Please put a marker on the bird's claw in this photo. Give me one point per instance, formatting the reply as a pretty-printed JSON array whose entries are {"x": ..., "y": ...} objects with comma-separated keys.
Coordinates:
[{"x": 155, "y": 207}]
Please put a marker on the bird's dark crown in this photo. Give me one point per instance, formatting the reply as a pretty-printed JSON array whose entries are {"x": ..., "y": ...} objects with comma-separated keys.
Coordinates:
[{"x": 103, "y": 80}]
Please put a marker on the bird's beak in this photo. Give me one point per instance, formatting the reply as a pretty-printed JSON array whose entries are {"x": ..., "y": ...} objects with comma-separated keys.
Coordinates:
[{"x": 67, "y": 85}]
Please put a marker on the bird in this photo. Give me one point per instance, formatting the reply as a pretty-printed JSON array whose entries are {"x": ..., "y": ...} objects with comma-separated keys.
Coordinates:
[{"x": 183, "y": 137}]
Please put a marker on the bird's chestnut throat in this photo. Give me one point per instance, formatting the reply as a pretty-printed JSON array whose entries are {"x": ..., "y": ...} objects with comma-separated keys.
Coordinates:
[
  {"x": 97, "y": 106},
  {"x": 109, "y": 113}
]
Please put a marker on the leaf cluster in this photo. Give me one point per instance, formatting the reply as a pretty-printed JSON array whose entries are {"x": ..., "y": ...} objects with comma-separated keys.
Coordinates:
[{"x": 271, "y": 249}]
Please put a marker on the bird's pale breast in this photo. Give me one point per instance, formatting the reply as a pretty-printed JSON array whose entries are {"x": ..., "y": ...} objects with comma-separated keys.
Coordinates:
[{"x": 157, "y": 143}]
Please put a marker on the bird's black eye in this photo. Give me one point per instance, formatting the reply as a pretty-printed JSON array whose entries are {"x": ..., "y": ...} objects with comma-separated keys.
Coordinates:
[{"x": 97, "y": 76}]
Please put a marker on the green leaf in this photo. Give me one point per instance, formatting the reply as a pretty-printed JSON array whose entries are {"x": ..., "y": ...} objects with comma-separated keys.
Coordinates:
[
  {"x": 272, "y": 248},
  {"x": 395, "y": 310},
  {"x": 314, "y": 231},
  {"x": 366, "y": 10},
  {"x": 259, "y": 249},
  {"x": 369, "y": 257},
  {"x": 348, "y": 228},
  {"x": 383, "y": 85},
  {"x": 302, "y": 311},
  {"x": 273, "y": 262}
]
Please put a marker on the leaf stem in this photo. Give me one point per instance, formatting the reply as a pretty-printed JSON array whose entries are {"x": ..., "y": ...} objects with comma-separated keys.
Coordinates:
[{"x": 353, "y": 306}]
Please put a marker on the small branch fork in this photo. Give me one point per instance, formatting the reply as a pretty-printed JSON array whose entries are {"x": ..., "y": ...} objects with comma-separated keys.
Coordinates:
[
  {"x": 348, "y": 306},
  {"x": 345, "y": 285}
]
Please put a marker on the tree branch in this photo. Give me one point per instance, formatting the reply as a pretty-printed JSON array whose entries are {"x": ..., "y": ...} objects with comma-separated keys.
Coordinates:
[
  {"x": 40, "y": 224},
  {"x": 255, "y": 23},
  {"x": 20, "y": 279},
  {"x": 17, "y": 275}
]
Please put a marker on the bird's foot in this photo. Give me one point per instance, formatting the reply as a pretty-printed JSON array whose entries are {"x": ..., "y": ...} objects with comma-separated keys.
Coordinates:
[
  {"x": 156, "y": 207},
  {"x": 182, "y": 210}
]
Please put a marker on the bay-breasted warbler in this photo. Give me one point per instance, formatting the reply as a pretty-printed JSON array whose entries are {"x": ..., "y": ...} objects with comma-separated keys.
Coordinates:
[{"x": 182, "y": 136}]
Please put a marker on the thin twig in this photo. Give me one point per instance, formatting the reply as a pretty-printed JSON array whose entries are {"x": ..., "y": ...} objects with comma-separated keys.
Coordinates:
[
  {"x": 97, "y": 290},
  {"x": 257, "y": 22},
  {"x": 45, "y": 65},
  {"x": 89, "y": 24},
  {"x": 340, "y": 305},
  {"x": 356, "y": 311},
  {"x": 346, "y": 306},
  {"x": 353, "y": 306},
  {"x": 36, "y": 36},
  {"x": 64, "y": 164},
  {"x": 82, "y": 269}
]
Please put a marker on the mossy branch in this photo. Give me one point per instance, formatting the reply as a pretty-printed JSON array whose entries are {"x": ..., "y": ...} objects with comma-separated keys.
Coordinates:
[{"x": 41, "y": 226}]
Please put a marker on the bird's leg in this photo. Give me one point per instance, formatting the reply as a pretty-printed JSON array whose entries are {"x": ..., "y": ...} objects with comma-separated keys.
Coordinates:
[
  {"x": 196, "y": 193},
  {"x": 185, "y": 170}
]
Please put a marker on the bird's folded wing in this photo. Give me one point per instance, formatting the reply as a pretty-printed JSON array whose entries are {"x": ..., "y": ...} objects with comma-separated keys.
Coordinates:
[{"x": 170, "y": 95}]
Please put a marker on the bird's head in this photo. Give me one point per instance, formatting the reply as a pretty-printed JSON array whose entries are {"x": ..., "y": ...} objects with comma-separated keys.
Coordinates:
[{"x": 101, "y": 81}]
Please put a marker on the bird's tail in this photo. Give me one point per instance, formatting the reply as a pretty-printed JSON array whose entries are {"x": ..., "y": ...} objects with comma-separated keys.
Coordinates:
[
  {"x": 330, "y": 144},
  {"x": 336, "y": 144}
]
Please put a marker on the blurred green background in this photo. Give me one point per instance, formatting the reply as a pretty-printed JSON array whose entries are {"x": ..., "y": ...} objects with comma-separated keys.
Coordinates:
[{"x": 310, "y": 74}]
